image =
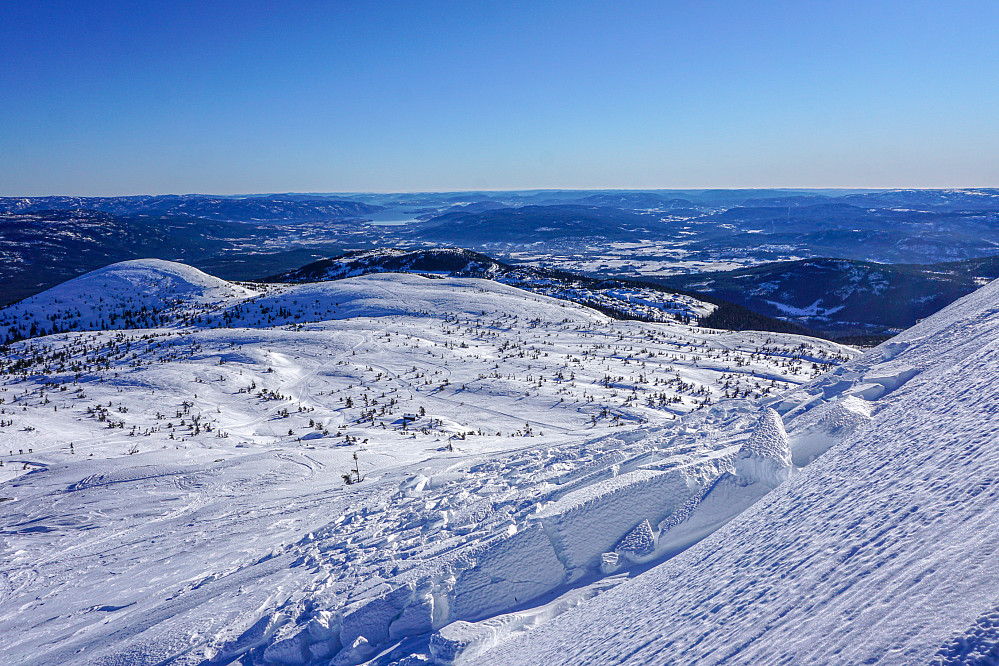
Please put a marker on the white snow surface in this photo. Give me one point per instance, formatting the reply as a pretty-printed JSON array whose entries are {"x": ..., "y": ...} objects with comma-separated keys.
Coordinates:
[
  {"x": 882, "y": 550},
  {"x": 143, "y": 292},
  {"x": 174, "y": 493}
]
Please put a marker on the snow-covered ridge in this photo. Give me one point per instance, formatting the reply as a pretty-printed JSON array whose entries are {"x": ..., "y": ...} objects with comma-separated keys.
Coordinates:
[
  {"x": 143, "y": 293},
  {"x": 619, "y": 297}
]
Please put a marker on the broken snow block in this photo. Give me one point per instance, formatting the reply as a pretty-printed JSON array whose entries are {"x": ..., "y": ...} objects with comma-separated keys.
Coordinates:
[
  {"x": 358, "y": 652},
  {"x": 591, "y": 521},
  {"x": 371, "y": 618},
  {"x": 609, "y": 563},
  {"x": 766, "y": 457},
  {"x": 639, "y": 543},
  {"x": 458, "y": 639},
  {"x": 890, "y": 375},
  {"x": 324, "y": 635},
  {"x": 324, "y": 649},
  {"x": 822, "y": 428},
  {"x": 289, "y": 651},
  {"x": 509, "y": 570},
  {"x": 323, "y": 626},
  {"x": 412, "y": 660},
  {"x": 416, "y": 618}
]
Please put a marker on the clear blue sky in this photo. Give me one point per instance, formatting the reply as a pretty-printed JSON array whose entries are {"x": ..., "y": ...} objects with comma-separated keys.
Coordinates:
[{"x": 103, "y": 97}]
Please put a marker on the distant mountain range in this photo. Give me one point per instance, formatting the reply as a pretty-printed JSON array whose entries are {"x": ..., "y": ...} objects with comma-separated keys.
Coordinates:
[
  {"x": 47, "y": 240},
  {"x": 43, "y": 248},
  {"x": 529, "y": 224},
  {"x": 889, "y": 243},
  {"x": 817, "y": 228},
  {"x": 262, "y": 207}
]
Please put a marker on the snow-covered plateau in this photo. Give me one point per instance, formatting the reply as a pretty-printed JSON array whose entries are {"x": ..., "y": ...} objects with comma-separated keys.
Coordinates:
[{"x": 391, "y": 469}]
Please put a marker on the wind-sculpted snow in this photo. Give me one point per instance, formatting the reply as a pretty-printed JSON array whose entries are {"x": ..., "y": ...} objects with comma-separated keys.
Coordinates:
[
  {"x": 977, "y": 646},
  {"x": 639, "y": 542},
  {"x": 766, "y": 457},
  {"x": 177, "y": 494},
  {"x": 880, "y": 551}
]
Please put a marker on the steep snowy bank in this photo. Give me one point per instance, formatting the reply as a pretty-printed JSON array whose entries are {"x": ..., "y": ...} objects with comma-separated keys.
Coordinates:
[{"x": 883, "y": 550}]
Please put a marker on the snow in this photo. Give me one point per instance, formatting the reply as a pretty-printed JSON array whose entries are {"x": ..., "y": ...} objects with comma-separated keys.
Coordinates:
[
  {"x": 638, "y": 543},
  {"x": 766, "y": 457},
  {"x": 124, "y": 295},
  {"x": 591, "y": 521},
  {"x": 882, "y": 550},
  {"x": 813, "y": 310},
  {"x": 201, "y": 513},
  {"x": 511, "y": 569}
]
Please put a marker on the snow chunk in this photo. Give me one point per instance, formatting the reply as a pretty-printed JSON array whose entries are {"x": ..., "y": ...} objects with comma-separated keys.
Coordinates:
[
  {"x": 590, "y": 521},
  {"x": 867, "y": 391},
  {"x": 417, "y": 618},
  {"x": 358, "y": 652},
  {"x": 769, "y": 439},
  {"x": 890, "y": 375},
  {"x": 766, "y": 457},
  {"x": 371, "y": 618},
  {"x": 639, "y": 542},
  {"x": 289, "y": 651},
  {"x": 817, "y": 431},
  {"x": 609, "y": 563},
  {"x": 509, "y": 571}
]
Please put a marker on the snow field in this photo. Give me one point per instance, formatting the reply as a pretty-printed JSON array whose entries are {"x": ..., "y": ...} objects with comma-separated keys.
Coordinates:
[{"x": 201, "y": 513}]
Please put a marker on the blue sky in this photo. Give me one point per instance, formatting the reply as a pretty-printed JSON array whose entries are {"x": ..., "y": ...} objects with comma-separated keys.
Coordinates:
[{"x": 108, "y": 97}]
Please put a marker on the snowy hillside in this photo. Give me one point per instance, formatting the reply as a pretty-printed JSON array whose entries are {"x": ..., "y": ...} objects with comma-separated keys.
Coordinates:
[
  {"x": 143, "y": 293},
  {"x": 881, "y": 551},
  {"x": 619, "y": 298},
  {"x": 454, "y": 262},
  {"x": 178, "y": 494}
]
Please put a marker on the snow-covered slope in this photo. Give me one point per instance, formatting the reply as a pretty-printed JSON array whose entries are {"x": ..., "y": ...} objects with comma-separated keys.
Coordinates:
[
  {"x": 142, "y": 293},
  {"x": 454, "y": 262},
  {"x": 622, "y": 298},
  {"x": 177, "y": 494},
  {"x": 883, "y": 550}
]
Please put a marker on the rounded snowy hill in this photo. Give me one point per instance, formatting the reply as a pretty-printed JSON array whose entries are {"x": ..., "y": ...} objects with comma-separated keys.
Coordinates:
[
  {"x": 152, "y": 293},
  {"x": 396, "y": 294},
  {"x": 142, "y": 293}
]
